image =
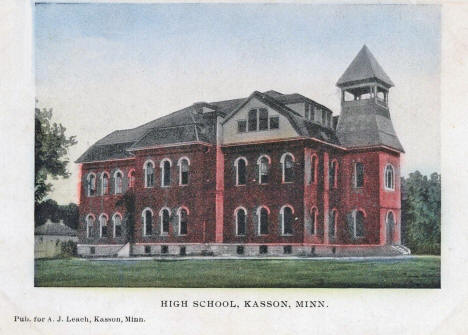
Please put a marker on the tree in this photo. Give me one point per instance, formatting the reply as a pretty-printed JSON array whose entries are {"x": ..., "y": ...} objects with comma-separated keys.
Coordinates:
[
  {"x": 421, "y": 208},
  {"x": 127, "y": 200},
  {"x": 50, "y": 152}
]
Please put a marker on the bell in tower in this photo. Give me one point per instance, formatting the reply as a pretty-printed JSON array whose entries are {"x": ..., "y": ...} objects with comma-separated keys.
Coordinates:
[{"x": 365, "y": 117}]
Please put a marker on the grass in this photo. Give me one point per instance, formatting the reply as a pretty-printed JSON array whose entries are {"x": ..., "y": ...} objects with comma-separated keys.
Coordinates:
[{"x": 412, "y": 272}]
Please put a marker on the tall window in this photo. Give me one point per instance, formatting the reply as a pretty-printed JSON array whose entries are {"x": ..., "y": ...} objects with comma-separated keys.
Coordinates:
[
  {"x": 104, "y": 183},
  {"x": 241, "y": 216},
  {"x": 118, "y": 182},
  {"x": 103, "y": 225},
  {"x": 252, "y": 120},
  {"x": 131, "y": 179},
  {"x": 183, "y": 171},
  {"x": 183, "y": 221},
  {"x": 263, "y": 169},
  {"x": 333, "y": 173},
  {"x": 117, "y": 225},
  {"x": 165, "y": 217},
  {"x": 147, "y": 222},
  {"x": 313, "y": 221},
  {"x": 166, "y": 172},
  {"x": 358, "y": 174},
  {"x": 332, "y": 223},
  {"x": 287, "y": 165},
  {"x": 262, "y": 221},
  {"x": 89, "y": 225},
  {"x": 313, "y": 169},
  {"x": 390, "y": 227},
  {"x": 358, "y": 223},
  {"x": 286, "y": 220},
  {"x": 149, "y": 174},
  {"x": 263, "y": 120},
  {"x": 241, "y": 171},
  {"x": 91, "y": 184},
  {"x": 389, "y": 177}
]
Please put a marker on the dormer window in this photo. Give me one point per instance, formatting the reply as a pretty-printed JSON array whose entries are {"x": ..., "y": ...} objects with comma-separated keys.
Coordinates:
[{"x": 258, "y": 120}]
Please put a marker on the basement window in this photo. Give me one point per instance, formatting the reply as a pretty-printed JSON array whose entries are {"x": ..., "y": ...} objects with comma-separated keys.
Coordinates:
[
  {"x": 287, "y": 249},
  {"x": 240, "y": 249},
  {"x": 92, "y": 250},
  {"x": 182, "y": 251},
  {"x": 147, "y": 249},
  {"x": 164, "y": 249},
  {"x": 263, "y": 249}
]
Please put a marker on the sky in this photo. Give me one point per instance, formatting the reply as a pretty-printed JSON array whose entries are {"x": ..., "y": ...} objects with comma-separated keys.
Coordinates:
[{"x": 103, "y": 67}]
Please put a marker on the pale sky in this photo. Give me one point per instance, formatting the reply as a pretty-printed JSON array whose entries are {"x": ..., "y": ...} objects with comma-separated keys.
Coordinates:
[{"x": 103, "y": 67}]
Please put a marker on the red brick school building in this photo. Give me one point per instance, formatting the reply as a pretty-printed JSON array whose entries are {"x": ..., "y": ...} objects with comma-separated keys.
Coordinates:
[{"x": 270, "y": 174}]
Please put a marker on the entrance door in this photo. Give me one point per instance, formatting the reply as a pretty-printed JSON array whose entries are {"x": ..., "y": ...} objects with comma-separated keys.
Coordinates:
[{"x": 390, "y": 227}]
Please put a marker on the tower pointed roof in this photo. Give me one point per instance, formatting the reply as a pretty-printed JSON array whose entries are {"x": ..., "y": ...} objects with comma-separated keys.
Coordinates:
[{"x": 364, "y": 67}]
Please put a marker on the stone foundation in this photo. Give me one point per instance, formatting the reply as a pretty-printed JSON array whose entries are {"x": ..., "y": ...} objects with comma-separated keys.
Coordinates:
[{"x": 240, "y": 250}]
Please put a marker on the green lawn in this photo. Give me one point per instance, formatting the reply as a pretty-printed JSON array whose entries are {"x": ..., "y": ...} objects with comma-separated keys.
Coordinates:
[{"x": 419, "y": 272}]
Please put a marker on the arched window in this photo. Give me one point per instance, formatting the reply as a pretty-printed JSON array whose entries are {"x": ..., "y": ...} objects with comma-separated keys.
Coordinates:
[
  {"x": 118, "y": 180},
  {"x": 89, "y": 225},
  {"x": 117, "y": 220},
  {"x": 103, "y": 225},
  {"x": 389, "y": 177},
  {"x": 262, "y": 214},
  {"x": 164, "y": 215},
  {"x": 166, "y": 172},
  {"x": 332, "y": 223},
  {"x": 287, "y": 166},
  {"x": 358, "y": 174},
  {"x": 147, "y": 222},
  {"x": 263, "y": 163},
  {"x": 183, "y": 164},
  {"x": 241, "y": 171},
  {"x": 183, "y": 212},
  {"x": 241, "y": 220},
  {"x": 358, "y": 223},
  {"x": 313, "y": 169},
  {"x": 104, "y": 183},
  {"x": 149, "y": 173},
  {"x": 131, "y": 179},
  {"x": 333, "y": 173},
  {"x": 286, "y": 213},
  {"x": 91, "y": 184},
  {"x": 313, "y": 221}
]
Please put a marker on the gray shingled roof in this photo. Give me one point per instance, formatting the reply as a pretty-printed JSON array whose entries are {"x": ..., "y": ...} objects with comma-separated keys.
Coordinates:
[
  {"x": 364, "y": 67},
  {"x": 54, "y": 228}
]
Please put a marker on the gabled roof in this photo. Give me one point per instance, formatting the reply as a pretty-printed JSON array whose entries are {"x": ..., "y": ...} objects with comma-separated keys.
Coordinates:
[
  {"x": 189, "y": 125},
  {"x": 364, "y": 67}
]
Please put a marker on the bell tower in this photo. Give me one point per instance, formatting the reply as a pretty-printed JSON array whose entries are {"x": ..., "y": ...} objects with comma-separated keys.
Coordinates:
[{"x": 365, "y": 116}]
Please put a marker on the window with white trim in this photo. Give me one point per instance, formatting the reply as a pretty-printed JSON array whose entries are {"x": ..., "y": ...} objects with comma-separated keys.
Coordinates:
[
  {"x": 183, "y": 221},
  {"x": 149, "y": 173},
  {"x": 333, "y": 173},
  {"x": 89, "y": 225},
  {"x": 358, "y": 177},
  {"x": 262, "y": 216},
  {"x": 241, "y": 220},
  {"x": 165, "y": 172},
  {"x": 118, "y": 181},
  {"x": 241, "y": 171},
  {"x": 358, "y": 223},
  {"x": 286, "y": 213},
  {"x": 131, "y": 179},
  {"x": 313, "y": 221},
  {"x": 147, "y": 222},
  {"x": 263, "y": 169},
  {"x": 117, "y": 220},
  {"x": 91, "y": 181},
  {"x": 183, "y": 164},
  {"x": 103, "y": 225},
  {"x": 104, "y": 183},
  {"x": 165, "y": 218},
  {"x": 389, "y": 177},
  {"x": 287, "y": 167}
]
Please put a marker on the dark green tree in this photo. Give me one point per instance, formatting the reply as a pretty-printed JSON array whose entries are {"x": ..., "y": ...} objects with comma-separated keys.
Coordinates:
[
  {"x": 127, "y": 201},
  {"x": 421, "y": 209},
  {"x": 50, "y": 152}
]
